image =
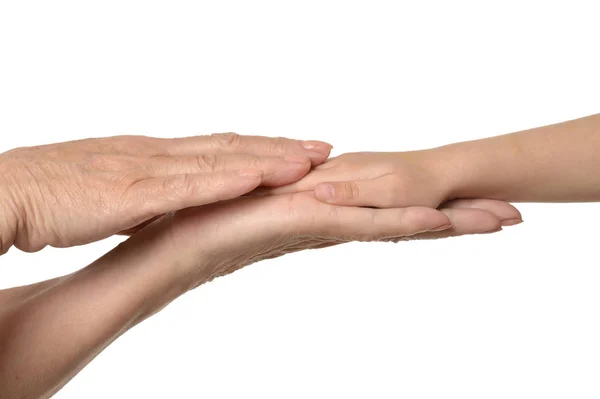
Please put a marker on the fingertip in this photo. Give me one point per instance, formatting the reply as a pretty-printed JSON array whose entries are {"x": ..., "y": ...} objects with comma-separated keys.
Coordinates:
[
  {"x": 317, "y": 146},
  {"x": 506, "y": 213},
  {"x": 472, "y": 220},
  {"x": 516, "y": 214},
  {"x": 317, "y": 151}
]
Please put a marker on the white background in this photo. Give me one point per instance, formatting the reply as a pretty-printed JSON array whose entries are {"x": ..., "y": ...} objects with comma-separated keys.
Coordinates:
[{"x": 514, "y": 314}]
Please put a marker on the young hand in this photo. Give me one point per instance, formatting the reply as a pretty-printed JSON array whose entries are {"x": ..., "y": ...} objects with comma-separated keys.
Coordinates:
[{"x": 375, "y": 179}]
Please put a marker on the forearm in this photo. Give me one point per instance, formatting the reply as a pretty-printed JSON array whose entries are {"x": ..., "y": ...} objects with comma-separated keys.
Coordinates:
[
  {"x": 53, "y": 329},
  {"x": 556, "y": 163}
]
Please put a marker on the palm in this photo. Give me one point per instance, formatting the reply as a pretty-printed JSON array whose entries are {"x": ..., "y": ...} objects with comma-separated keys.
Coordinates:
[{"x": 235, "y": 233}]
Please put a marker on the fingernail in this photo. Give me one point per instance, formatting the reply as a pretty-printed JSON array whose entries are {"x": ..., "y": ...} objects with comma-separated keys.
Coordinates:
[
  {"x": 511, "y": 222},
  {"x": 296, "y": 159},
  {"x": 325, "y": 192},
  {"x": 441, "y": 228},
  {"x": 318, "y": 146},
  {"x": 250, "y": 173}
]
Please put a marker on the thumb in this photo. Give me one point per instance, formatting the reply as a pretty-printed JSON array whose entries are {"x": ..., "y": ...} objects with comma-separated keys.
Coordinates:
[{"x": 357, "y": 193}]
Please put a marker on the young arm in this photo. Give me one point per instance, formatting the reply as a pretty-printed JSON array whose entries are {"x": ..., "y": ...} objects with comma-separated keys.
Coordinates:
[
  {"x": 556, "y": 163},
  {"x": 547, "y": 164}
]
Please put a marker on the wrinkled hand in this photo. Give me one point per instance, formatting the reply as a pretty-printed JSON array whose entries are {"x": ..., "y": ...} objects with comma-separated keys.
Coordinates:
[
  {"x": 78, "y": 192},
  {"x": 217, "y": 239}
]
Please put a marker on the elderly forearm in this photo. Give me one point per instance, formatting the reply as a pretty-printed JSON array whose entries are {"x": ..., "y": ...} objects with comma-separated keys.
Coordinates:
[
  {"x": 53, "y": 329},
  {"x": 553, "y": 163}
]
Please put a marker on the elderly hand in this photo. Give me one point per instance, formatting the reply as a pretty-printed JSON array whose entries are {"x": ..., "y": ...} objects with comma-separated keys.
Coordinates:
[
  {"x": 77, "y": 192},
  {"x": 76, "y": 316},
  {"x": 297, "y": 222}
]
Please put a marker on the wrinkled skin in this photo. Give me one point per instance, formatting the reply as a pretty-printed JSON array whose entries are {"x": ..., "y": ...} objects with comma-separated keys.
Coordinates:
[
  {"x": 51, "y": 330},
  {"x": 78, "y": 315},
  {"x": 217, "y": 239},
  {"x": 78, "y": 192}
]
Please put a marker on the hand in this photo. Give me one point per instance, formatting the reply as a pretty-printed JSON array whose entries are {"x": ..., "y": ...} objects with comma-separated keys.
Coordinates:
[
  {"x": 233, "y": 234},
  {"x": 78, "y": 192},
  {"x": 179, "y": 252},
  {"x": 377, "y": 179}
]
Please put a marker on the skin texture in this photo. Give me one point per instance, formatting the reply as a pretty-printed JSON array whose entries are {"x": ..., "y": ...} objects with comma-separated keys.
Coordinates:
[
  {"x": 171, "y": 195},
  {"x": 78, "y": 192},
  {"x": 556, "y": 163},
  {"x": 51, "y": 330}
]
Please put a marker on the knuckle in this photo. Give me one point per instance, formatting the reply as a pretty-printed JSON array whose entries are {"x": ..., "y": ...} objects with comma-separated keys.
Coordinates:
[
  {"x": 226, "y": 140},
  {"x": 254, "y": 161},
  {"x": 350, "y": 190},
  {"x": 178, "y": 188},
  {"x": 207, "y": 162},
  {"x": 128, "y": 144},
  {"x": 278, "y": 144}
]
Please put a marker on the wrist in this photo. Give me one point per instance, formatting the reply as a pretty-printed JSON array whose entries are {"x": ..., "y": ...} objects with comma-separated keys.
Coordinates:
[
  {"x": 450, "y": 168},
  {"x": 481, "y": 169},
  {"x": 444, "y": 167}
]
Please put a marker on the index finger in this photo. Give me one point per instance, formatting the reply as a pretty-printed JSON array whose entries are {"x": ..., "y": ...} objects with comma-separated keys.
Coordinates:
[
  {"x": 315, "y": 218},
  {"x": 233, "y": 143}
]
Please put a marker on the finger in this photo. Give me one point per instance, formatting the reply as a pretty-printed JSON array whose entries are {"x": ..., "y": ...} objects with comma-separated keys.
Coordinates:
[
  {"x": 307, "y": 183},
  {"x": 465, "y": 221},
  {"x": 160, "y": 195},
  {"x": 358, "y": 192},
  {"x": 276, "y": 170},
  {"x": 508, "y": 214},
  {"x": 367, "y": 224},
  {"x": 232, "y": 143},
  {"x": 471, "y": 221},
  {"x": 476, "y": 216}
]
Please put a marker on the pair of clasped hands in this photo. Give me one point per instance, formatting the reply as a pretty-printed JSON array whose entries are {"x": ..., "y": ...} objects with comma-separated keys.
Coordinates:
[{"x": 219, "y": 202}]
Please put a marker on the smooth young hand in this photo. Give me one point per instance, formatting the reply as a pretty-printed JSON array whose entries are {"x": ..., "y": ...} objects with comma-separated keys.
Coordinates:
[
  {"x": 554, "y": 163},
  {"x": 376, "y": 179}
]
